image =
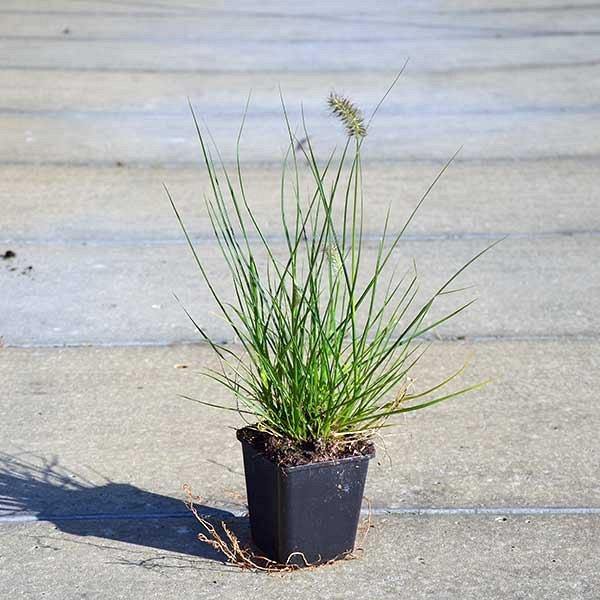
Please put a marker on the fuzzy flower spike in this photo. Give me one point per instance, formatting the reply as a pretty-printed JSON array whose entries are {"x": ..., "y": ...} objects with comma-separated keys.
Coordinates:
[{"x": 349, "y": 114}]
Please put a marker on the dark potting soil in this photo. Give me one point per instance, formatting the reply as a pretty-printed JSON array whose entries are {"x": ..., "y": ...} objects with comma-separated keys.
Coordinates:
[{"x": 288, "y": 453}]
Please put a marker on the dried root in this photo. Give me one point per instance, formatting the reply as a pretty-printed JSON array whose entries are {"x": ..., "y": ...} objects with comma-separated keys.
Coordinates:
[
  {"x": 225, "y": 541},
  {"x": 363, "y": 531},
  {"x": 243, "y": 555}
]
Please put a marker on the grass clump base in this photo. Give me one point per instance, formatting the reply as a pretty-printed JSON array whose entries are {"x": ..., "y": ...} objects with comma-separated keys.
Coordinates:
[{"x": 291, "y": 453}]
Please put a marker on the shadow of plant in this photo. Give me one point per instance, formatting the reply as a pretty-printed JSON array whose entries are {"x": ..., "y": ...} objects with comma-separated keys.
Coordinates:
[{"x": 110, "y": 511}]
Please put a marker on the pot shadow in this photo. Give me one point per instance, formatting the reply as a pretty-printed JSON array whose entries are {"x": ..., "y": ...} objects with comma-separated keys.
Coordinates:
[{"x": 111, "y": 511}]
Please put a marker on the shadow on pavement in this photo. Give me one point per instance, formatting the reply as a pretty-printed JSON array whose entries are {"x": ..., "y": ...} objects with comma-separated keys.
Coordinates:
[{"x": 79, "y": 507}]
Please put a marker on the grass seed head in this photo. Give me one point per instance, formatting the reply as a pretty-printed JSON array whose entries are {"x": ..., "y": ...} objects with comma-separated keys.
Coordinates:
[{"x": 349, "y": 114}]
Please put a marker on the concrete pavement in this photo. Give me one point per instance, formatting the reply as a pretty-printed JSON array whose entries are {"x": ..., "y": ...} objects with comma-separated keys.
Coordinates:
[
  {"x": 95, "y": 444},
  {"x": 112, "y": 414},
  {"x": 439, "y": 557},
  {"x": 123, "y": 293},
  {"x": 128, "y": 204}
]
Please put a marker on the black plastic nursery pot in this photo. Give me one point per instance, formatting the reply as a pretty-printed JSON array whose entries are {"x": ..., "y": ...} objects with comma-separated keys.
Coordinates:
[{"x": 305, "y": 514}]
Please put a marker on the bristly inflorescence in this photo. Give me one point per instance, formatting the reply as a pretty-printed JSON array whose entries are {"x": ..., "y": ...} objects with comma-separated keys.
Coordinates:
[{"x": 349, "y": 114}]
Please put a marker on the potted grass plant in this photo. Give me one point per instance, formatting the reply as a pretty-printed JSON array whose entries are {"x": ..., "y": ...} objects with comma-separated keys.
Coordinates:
[{"x": 327, "y": 336}]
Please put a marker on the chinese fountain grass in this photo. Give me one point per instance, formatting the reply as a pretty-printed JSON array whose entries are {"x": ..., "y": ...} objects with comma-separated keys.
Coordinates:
[{"x": 328, "y": 341}]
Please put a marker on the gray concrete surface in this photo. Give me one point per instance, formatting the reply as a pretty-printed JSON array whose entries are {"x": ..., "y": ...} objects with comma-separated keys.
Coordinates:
[
  {"x": 124, "y": 293},
  {"x": 93, "y": 118},
  {"x": 528, "y": 439},
  {"x": 122, "y": 204},
  {"x": 156, "y": 139},
  {"x": 473, "y": 558}
]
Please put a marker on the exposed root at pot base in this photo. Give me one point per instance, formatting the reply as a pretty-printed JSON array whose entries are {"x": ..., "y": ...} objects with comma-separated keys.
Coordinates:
[
  {"x": 224, "y": 540},
  {"x": 365, "y": 526},
  {"x": 243, "y": 555}
]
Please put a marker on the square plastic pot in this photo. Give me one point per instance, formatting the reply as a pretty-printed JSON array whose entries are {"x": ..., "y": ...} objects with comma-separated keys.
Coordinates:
[{"x": 305, "y": 514}]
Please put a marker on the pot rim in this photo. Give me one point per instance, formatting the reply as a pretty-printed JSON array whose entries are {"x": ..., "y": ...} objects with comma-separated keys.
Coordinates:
[
  {"x": 320, "y": 464},
  {"x": 328, "y": 463}
]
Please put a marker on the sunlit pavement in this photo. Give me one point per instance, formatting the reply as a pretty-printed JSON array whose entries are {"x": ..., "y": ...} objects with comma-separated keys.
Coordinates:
[{"x": 495, "y": 495}]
